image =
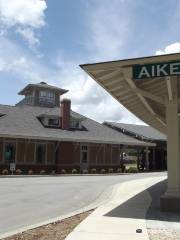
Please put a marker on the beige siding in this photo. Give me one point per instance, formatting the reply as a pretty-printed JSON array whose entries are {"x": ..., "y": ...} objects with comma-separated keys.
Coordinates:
[
  {"x": 1, "y": 151},
  {"x": 29, "y": 152},
  {"x": 100, "y": 154},
  {"x": 20, "y": 152},
  {"x": 92, "y": 154},
  {"x": 108, "y": 154},
  {"x": 76, "y": 153},
  {"x": 115, "y": 155},
  {"x": 50, "y": 153}
]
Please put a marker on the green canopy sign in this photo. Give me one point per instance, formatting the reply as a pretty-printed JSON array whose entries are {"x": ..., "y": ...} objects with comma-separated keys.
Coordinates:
[{"x": 156, "y": 70}]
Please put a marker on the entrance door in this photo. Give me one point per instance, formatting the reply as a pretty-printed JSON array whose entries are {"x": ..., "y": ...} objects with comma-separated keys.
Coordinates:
[
  {"x": 84, "y": 157},
  {"x": 9, "y": 152}
]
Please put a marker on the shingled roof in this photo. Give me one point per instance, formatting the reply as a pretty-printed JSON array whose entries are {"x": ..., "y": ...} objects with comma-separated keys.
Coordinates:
[
  {"x": 42, "y": 85},
  {"x": 22, "y": 122},
  {"x": 143, "y": 131}
]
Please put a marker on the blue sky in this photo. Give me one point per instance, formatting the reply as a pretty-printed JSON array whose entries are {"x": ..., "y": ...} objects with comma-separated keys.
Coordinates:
[{"x": 47, "y": 40}]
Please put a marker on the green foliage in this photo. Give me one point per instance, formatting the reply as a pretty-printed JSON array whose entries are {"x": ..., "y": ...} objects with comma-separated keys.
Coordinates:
[
  {"x": 103, "y": 171},
  {"x": 132, "y": 170},
  {"x": 110, "y": 170},
  {"x": 74, "y": 171},
  {"x": 5, "y": 172},
  {"x": 30, "y": 172},
  {"x": 18, "y": 172},
  {"x": 42, "y": 172},
  {"x": 85, "y": 171},
  {"x": 93, "y": 170},
  {"x": 63, "y": 171}
]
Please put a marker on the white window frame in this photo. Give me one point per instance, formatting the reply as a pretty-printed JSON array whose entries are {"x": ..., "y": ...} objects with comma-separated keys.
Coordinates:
[{"x": 81, "y": 151}]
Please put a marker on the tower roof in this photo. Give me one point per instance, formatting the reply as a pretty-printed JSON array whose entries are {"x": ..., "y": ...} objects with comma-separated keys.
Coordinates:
[{"x": 42, "y": 85}]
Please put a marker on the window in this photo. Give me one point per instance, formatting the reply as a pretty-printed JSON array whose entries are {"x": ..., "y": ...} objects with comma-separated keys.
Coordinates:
[
  {"x": 53, "y": 122},
  {"x": 42, "y": 94},
  {"x": 84, "y": 154},
  {"x": 75, "y": 124},
  {"x": 9, "y": 152},
  {"x": 40, "y": 153},
  {"x": 46, "y": 95}
]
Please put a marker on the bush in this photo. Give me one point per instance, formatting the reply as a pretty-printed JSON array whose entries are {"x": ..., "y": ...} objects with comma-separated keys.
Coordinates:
[
  {"x": 132, "y": 170},
  {"x": 110, "y": 170},
  {"x": 18, "y": 172},
  {"x": 85, "y": 171},
  {"x": 5, "y": 172},
  {"x": 74, "y": 171},
  {"x": 63, "y": 171},
  {"x": 119, "y": 170},
  {"x": 53, "y": 172},
  {"x": 103, "y": 171},
  {"x": 93, "y": 170},
  {"x": 42, "y": 172},
  {"x": 123, "y": 167},
  {"x": 30, "y": 172}
]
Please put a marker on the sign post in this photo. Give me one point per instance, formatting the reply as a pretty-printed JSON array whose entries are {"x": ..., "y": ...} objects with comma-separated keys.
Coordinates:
[{"x": 12, "y": 167}]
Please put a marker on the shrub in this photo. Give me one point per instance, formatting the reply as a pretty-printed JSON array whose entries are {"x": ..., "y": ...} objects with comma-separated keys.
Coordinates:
[
  {"x": 74, "y": 171},
  {"x": 53, "y": 172},
  {"x": 119, "y": 170},
  {"x": 103, "y": 171},
  {"x": 93, "y": 170},
  {"x": 5, "y": 172},
  {"x": 63, "y": 171},
  {"x": 85, "y": 171},
  {"x": 18, "y": 172},
  {"x": 132, "y": 170},
  {"x": 110, "y": 170},
  {"x": 123, "y": 167},
  {"x": 30, "y": 172},
  {"x": 42, "y": 172}
]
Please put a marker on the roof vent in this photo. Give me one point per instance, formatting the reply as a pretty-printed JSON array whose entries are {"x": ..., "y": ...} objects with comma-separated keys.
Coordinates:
[{"x": 43, "y": 83}]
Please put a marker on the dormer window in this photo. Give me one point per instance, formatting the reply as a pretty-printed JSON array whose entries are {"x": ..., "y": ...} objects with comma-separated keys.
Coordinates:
[
  {"x": 46, "y": 94},
  {"x": 75, "y": 124},
  {"x": 53, "y": 122}
]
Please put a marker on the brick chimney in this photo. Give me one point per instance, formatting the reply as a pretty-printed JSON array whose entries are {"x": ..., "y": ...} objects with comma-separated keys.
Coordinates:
[{"x": 65, "y": 109}]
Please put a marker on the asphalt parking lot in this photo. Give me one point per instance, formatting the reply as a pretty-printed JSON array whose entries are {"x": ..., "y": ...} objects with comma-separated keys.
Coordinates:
[{"x": 28, "y": 200}]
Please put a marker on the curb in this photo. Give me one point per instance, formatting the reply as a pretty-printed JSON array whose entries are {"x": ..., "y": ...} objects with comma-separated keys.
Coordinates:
[{"x": 63, "y": 175}]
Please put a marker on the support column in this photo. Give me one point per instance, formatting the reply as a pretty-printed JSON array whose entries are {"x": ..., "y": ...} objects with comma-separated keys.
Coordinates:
[
  {"x": 170, "y": 201},
  {"x": 147, "y": 158},
  {"x": 153, "y": 159}
]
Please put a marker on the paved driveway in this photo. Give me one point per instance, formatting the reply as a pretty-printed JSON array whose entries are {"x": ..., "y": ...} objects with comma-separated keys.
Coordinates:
[{"x": 29, "y": 200}]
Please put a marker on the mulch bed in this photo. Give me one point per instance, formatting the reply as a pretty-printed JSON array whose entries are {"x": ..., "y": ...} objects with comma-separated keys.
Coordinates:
[{"x": 53, "y": 231}]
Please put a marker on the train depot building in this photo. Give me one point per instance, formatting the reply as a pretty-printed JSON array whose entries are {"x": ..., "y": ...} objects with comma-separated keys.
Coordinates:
[
  {"x": 41, "y": 132},
  {"x": 155, "y": 156},
  {"x": 150, "y": 88}
]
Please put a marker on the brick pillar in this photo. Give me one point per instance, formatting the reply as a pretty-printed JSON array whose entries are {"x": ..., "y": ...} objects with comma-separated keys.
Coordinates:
[{"x": 65, "y": 113}]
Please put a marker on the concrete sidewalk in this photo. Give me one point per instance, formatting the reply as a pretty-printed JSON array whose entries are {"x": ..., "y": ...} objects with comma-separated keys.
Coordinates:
[{"x": 121, "y": 216}]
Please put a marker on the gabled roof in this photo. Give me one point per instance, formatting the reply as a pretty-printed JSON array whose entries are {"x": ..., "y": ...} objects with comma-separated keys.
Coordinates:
[
  {"x": 145, "y": 132},
  {"x": 22, "y": 122},
  {"x": 42, "y": 85}
]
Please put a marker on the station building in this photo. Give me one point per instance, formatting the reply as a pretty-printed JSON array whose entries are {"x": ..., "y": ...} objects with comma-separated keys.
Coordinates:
[
  {"x": 41, "y": 132},
  {"x": 157, "y": 155}
]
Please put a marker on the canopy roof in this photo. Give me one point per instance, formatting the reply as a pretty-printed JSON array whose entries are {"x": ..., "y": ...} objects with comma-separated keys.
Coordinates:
[{"x": 145, "y": 97}]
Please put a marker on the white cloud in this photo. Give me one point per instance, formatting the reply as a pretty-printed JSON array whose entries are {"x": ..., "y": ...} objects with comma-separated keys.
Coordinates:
[
  {"x": 23, "y": 12},
  {"x": 29, "y": 36},
  {"x": 109, "y": 28},
  {"x": 172, "y": 48},
  {"x": 24, "y": 15}
]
